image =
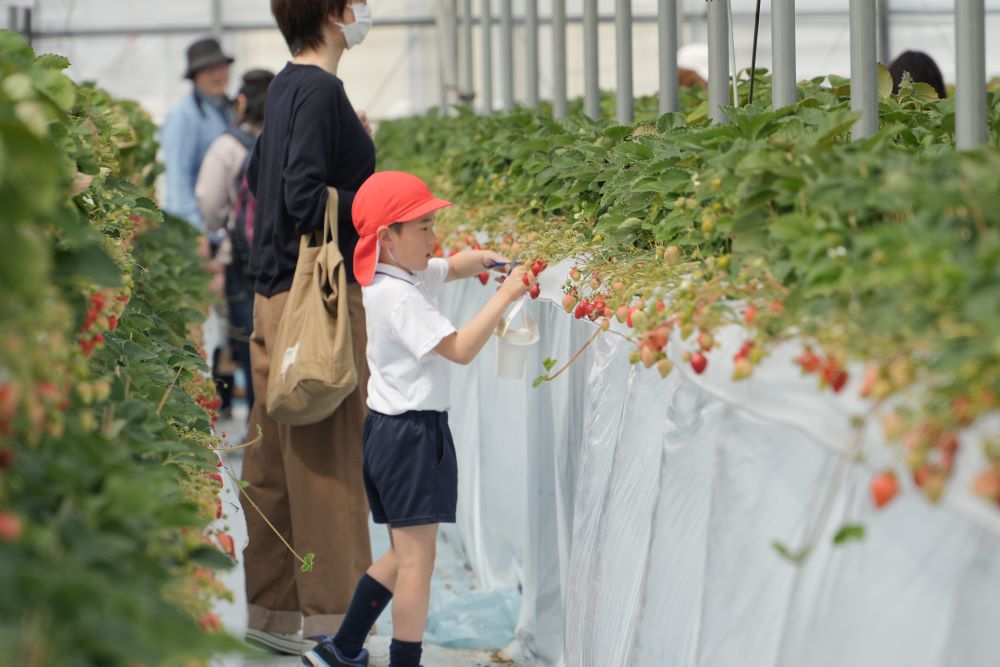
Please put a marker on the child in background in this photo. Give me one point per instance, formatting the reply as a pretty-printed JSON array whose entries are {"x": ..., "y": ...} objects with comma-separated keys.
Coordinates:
[{"x": 410, "y": 469}]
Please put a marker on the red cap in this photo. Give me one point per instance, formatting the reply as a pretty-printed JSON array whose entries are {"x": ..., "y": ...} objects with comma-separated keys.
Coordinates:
[{"x": 386, "y": 197}]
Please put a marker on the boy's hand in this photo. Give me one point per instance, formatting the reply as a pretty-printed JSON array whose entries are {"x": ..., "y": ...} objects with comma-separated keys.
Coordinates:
[
  {"x": 513, "y": 288},
  {"x": 495, "y": 261}
]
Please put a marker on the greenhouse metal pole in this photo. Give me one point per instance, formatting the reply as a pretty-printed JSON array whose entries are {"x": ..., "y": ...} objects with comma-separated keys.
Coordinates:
[
  {"x": 783, "y": 89},
  {"x": 591, "y": 65},
  {"x": 560, "y": 106},
  {"x": 531, "y": 53},
  {"x": 623, "y": 60},
  {"x": 864, "y": 68},
  {"x": 217, "y": 19},
  {"x": 506, "y": 55},
  {"x": 668, "y": 37},
  {"x": 448, "y": 52},
  {"x": 884, "y": 38},
  {"x": 486, "y": 22},
  {"x": 718, "y": 60},
  {"x": 970, "y": 79},
  {"x": 467, "y": 94}
]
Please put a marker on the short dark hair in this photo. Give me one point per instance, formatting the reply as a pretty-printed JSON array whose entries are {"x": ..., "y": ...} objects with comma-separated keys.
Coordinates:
[
  {"x": 921, "y": 68},
  {"x": 254, "y": 89},
  {"x": 301, "y": 21}
]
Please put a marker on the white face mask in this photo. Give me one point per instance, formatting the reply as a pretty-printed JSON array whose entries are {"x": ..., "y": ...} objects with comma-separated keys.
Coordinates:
[{"x": 356, "y": 32}]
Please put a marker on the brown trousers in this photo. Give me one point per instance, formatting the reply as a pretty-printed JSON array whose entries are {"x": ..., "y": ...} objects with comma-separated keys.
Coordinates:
[{"x": 307, "y": 480}]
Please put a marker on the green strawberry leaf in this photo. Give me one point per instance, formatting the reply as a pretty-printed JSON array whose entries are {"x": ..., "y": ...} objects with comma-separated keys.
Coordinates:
[
  {"x": 848, "y": 532},
  {"x": 796, "y": 557},
  {"x": 307, "y": 564}
]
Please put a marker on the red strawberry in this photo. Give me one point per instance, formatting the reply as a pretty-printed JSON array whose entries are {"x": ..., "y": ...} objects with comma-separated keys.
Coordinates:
[
  {"x": 581, "y": 309},
  {"x": 750, "y": 315},
  {"x": 744, "y": 351},
  {"x": 699, "y": 362},
  {"x": 9, "y": 395},
  {"x": 987, "y": 485},
  {"x": 526, "y": 279},
  {"x": 537, "y": 267},
  {"x": 6, "y": 458},
  {"x": 217, "y": 477},
  {"x": 808, "y": 361},
  {"x": 884, "y": 488},
  {"x": 834, "y": 376},
  {"x": 484, "y": 277},
  {"x": 453, "y": 252},
  {"x": 868, "y": 381},
  {"x": 628, "y": 316},
  {"x": 227, "y": 544},
  {"x": 210, "y": 622},
  {"x": 10, "y": 527},
  {"x": 218, "y": 508},
  {"x": 534, "y": 291},
  {"x": 112, "y": 322}
]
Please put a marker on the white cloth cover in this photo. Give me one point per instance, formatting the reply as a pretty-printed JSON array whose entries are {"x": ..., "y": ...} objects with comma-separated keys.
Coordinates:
[{"x": 638, "y": 514}]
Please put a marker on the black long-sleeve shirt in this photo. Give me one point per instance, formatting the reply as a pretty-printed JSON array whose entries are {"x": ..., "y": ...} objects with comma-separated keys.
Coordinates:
[{"x": 312, "y": 139}]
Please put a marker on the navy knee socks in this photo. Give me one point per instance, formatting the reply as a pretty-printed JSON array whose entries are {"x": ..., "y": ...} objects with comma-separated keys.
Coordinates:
[
  {"x": 370, "y": 599},
  {"x": 404, "y": 654}
]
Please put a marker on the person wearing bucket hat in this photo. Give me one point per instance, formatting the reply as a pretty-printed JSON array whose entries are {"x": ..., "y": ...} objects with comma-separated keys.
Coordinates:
[
  {"x": 410, "y": 468},
  {"x": 306, "y": 479},
  {"x": 193, "y": 124}
]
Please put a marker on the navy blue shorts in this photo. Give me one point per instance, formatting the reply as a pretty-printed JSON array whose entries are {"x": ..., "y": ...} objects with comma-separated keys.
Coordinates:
[{"x": 411, "y": 473}]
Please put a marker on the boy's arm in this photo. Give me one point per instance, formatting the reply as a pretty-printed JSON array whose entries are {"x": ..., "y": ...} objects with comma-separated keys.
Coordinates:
[
  {"x": 462, "y": 346},
  {"x": 469, "y": 263}
]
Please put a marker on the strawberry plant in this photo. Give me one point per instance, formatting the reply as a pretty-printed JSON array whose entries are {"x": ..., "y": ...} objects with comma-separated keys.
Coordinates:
[
  {"x": 881, "y": 254},
  {"x": 106, "y": 487}
]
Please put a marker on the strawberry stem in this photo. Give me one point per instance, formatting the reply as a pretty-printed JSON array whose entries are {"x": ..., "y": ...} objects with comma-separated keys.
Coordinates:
[
  {"x": 266, "y": 520},
  {"x": 550, "y": 378},
  {"x": 260, "y": 436},
  {"x": 166, "y": 394}
]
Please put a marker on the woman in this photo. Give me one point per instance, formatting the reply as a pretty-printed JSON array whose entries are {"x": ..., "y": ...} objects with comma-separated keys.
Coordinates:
[
  {"x": 306, "y": 479},
  {"x": 218, "y": 189}
]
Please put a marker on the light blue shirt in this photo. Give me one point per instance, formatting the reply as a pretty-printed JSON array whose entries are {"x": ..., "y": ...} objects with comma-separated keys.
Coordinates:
[{"x": 190, "y": 128}]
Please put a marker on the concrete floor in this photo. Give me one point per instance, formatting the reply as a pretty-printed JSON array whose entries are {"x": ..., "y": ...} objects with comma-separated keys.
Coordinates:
[{"x": 452, "y": 579}]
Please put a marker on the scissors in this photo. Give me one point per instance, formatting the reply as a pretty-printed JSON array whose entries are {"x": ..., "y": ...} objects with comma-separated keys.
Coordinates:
[{"x": 493, "y": 264}]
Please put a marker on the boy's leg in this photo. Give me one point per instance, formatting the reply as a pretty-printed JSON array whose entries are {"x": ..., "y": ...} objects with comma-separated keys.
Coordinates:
[
  {"x": 371, "y": 597},
  {"x": 415, "y": 548}
]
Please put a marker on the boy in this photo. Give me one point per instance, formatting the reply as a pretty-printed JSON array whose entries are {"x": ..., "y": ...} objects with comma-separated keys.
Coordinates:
[{"x": 410, "y": 470}]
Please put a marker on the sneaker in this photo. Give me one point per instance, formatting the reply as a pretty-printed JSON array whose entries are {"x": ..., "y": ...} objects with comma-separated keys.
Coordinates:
[
  {"x": 326, "y": 654},
  {"x": 279, "y": 641}
]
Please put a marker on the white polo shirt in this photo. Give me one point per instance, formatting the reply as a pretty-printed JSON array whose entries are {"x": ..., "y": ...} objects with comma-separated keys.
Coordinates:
[{"x": 404, "y": 326}]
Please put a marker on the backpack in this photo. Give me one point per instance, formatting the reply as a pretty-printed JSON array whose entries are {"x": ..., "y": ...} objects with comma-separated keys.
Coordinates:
[{"x": 241, "y": 233}]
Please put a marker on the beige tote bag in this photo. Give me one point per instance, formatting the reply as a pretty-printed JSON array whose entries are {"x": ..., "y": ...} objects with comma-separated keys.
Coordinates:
[{"x": 312, "y": 365}]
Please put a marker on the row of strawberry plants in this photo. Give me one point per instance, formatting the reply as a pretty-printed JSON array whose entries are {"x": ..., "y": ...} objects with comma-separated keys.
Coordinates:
[
  {"x": 108, "y": 481},
  {"x": 883, "y": 253}
]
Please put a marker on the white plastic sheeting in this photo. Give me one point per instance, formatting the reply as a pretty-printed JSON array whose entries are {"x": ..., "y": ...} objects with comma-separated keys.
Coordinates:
[{"x": 638, "y": 514}]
